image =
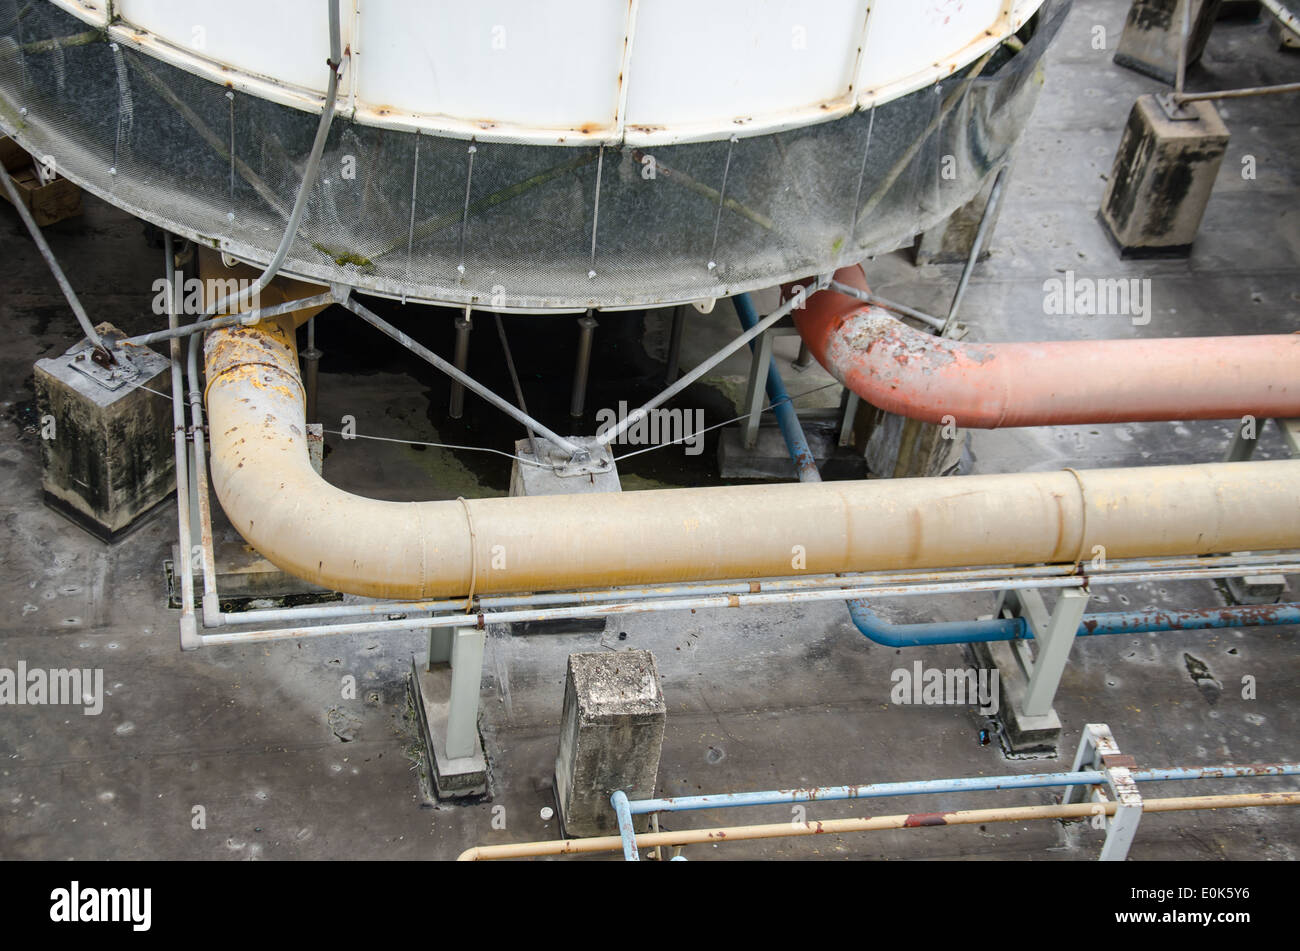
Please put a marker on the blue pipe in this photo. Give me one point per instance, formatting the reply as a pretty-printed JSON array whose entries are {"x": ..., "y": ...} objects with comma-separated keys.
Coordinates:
[
  {"x": 622, "y": 809},
  {"x": 778, "y": 797},
  {"x": 1117, "y": 622},
  {"x": 805, "y": 463}
]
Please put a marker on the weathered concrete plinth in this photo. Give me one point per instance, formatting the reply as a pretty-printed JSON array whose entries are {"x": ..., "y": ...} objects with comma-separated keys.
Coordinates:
[
  {"x": 611, "y": 734},
  {"x": 898, "y": 447},
  {"x": 107, "y": 451},
  {"x": 1162, "y": 178},
  {"x": 1153, "y": 33},
  {"x": 1023, "y": 734}
]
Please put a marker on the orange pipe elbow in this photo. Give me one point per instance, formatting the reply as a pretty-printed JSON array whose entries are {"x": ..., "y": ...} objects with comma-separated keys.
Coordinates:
[{"x": 995, "y": 385}]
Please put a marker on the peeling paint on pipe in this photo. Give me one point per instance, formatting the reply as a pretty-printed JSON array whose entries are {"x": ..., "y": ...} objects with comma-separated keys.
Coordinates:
[
  {"x": 415, "y": 550},
  {"x": 995, "y": 385}
]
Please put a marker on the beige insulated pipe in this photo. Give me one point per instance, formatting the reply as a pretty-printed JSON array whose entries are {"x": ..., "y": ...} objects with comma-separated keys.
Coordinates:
[{"x": 449, "y": 548}]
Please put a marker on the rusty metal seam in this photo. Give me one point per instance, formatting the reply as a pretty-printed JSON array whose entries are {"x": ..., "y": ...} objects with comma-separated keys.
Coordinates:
[
  {"x": 1083, "y": 517},
  {"x": 473, "y": 555},
  {"x": 238, "y": 367}
]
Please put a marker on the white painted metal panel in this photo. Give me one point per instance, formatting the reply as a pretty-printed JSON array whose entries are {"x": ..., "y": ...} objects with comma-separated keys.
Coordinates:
[
  {"x": 560, "y": 71},
  {"x": 713, "y": 63},
  {"x": 285, "y": 40},
  {"x": 533, "y": 64},
  {"x": 916, "y": 36}
]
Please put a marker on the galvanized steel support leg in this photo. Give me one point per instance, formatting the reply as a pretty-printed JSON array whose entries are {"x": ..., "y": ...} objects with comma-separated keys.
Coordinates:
[
  {"x": 1095, "y": 743},
  {"x": 1121, "y": 828},
  {"x": 440, "y": 639},
  {"x": 456, "y": 405},
  {"x": 804, "y": 360},
  {"x": 848, "y": 414},
  {"x": 623, "y": 810},
  {"x": 467, "y": 645},
  {"x": 586, "y": 329},
  {"x": 1258, "y": 589},
  {"x": 675, "y": 344},
  {"x": 1242, "y": 446},
  {"x": 1099, "y": 751},
  {"x": 756, "y": 388},
  {"x": 1055, "y": 639},
  {"x": 310, "y": 361}
]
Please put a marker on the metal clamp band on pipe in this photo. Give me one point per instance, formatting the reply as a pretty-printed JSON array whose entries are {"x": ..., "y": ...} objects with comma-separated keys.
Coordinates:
[{"x": 994, "y": 385}]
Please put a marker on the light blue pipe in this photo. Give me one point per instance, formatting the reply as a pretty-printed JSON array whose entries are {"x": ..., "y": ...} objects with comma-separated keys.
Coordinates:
[
  {"x": 624, "y": 813},
  {"x": 805, "y": 463},
  {"x": 1116, "y": 622},
  {"x": 778, "y": 797}
]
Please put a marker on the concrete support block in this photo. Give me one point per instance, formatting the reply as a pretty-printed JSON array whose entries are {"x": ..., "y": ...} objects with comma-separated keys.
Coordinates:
[
  {"x": 107, "y": 450},
  {"x": 611, "y": 734},
  {"x": 528, "y": 479},
  {"x": 950, "y": 242},
  {"x": 1153, "y": 32},
  {"x": 901, "y": 448},
  {"x": 1162, "y": 178}
]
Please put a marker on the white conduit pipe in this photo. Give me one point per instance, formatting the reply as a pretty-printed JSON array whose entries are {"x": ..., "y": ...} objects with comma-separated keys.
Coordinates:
[{"x": 311, "y": 529}]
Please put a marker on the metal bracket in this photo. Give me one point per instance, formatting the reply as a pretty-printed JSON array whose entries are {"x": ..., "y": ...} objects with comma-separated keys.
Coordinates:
[
  {"x": 1054, "y": 633},
  {"x": 590, "y": 460},
  {"x": 1098, "y": 750},
  {"x": 583, "y": 465},
  {"x": 760, "y": 359},
  {"x": 111, "y": 374},
  {"x": 1174, "y": 109}
]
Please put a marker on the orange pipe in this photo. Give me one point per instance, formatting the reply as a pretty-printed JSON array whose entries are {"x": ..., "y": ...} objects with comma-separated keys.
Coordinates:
[{"x": 994, "y": 385}]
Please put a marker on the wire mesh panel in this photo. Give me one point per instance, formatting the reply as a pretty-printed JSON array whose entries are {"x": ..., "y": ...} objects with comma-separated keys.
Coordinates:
[{"x": 498, "y": 224}]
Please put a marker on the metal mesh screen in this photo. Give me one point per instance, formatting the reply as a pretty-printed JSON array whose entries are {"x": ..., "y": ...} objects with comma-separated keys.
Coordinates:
[{"x": 513, "y": 226}]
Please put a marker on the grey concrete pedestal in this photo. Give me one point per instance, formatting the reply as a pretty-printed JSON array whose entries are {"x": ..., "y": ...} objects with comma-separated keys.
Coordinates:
[
  {"x": 1162, "y": 178},
  {"x": 107, "y": 453},
  {"x": 1153, "y": 33},
  {"x": 611, "y": 734}
]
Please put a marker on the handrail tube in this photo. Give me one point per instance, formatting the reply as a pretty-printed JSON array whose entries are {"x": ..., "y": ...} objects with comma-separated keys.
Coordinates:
[
  {"x": 1239, "y": 564},
  {"x": 405, "y": 625},
  {"x": 778, "y": 797},
  {"x": 1081, "y": 810}
]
